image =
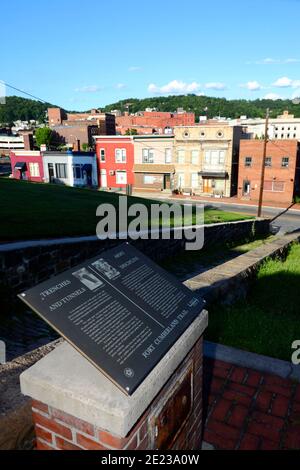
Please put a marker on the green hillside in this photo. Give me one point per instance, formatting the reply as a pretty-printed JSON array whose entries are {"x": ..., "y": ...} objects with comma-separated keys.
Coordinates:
[
  {"x": 26, "y": 109},
  {"x": 22, "y": 108},
  {"x": 216, "y": 106}
]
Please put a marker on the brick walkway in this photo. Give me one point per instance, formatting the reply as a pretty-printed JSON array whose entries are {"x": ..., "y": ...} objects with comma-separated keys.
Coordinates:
[{"x": 249, "y": 410}]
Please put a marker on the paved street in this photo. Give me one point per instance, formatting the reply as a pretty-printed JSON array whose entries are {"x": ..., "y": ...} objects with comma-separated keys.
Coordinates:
[{"x": 285, "y": 220}]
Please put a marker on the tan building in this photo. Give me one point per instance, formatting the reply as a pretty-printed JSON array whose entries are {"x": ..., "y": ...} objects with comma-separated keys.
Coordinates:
[
  {"x": 206, "y": 159},
  {"x": 154, "y": 162}
]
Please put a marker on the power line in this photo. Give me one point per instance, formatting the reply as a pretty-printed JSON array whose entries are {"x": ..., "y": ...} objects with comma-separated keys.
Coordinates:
[{"x": 25, "y": 92}]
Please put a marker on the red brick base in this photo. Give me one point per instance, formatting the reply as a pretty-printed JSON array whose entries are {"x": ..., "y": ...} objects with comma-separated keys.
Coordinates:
[{"x": 56, "y": 430}]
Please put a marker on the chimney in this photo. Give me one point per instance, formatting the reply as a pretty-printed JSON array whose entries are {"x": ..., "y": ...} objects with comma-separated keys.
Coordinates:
[
  {"x": 76, "y": 146},
  {"x": 28, "y": 141}
]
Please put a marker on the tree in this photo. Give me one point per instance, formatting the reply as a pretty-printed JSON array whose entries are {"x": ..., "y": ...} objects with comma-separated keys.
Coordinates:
[
  {"x": 131, "y": 132},
  {"x": 85, "y": 147},
  {"x": 43, "y": 136}
]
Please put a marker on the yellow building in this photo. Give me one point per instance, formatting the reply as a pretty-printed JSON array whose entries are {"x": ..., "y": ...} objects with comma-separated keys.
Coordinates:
[{"x": 206, "y": 159}]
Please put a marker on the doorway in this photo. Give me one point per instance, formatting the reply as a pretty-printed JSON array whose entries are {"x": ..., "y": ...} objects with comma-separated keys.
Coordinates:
[
  {"x": 167, "y": 182},
  {"x": 246, "y": 188},
  {"x": 51, "y": 172}
]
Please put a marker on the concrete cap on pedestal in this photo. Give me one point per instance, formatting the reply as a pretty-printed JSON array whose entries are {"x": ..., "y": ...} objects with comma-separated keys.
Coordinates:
[{"x": 65, "y": 380}]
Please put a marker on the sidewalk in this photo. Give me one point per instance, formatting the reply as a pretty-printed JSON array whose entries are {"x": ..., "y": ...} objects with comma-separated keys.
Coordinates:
[{"x": 249, "y": 410}]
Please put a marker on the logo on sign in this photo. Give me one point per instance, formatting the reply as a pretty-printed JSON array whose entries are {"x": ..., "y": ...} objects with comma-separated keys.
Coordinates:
[{"x": 129, "y": 373}]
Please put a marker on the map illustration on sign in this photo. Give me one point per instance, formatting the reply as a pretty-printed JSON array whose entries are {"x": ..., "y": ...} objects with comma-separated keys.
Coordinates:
[{"x": 120, "y": 310}]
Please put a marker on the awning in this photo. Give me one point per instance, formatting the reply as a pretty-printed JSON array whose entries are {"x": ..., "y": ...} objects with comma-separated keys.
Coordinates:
[
  {"x": 151, "y": 168},
  {"x": 214, "y": 174},
  {"x": 20, "y": 166},
  {"x": 87, "y": 167}
]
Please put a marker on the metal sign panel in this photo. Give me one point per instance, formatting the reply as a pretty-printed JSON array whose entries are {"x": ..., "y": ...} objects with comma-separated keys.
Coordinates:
[{"x": 120, "y": 310}]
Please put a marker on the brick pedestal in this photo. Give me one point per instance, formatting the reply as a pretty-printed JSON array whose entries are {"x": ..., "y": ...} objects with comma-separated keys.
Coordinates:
[{"x": 79, "y": 408}]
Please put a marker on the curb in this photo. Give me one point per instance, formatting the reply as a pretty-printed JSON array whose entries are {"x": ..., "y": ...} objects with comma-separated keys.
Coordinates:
[{"x": 251, "y": 360}]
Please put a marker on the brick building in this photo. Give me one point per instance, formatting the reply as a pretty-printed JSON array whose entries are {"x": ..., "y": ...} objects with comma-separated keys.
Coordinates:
[
  {"x": 115, "y": 157},
  {"x": 282, "y": 170},
  {"x": 153, "y": 122},
  {"x": 74, "y": 127}
]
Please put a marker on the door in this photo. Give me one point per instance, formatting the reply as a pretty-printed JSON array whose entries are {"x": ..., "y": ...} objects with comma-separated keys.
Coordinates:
[
  {"x": 167, "y": 182},
  {"x": 207, "y": 186},
  {"x": 51, "y": 172},
  {"x": 103, "y": 179},
  {"x": 246, "y": 188}
]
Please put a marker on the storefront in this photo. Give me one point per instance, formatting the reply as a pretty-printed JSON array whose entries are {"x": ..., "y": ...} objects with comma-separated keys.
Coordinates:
[{"x": 154, "y": 177}]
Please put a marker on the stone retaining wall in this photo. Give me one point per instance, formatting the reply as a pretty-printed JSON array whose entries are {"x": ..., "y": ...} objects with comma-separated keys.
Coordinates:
[
  {"x": 23, "y": 265},
  {"x": 232, "y": 280}
]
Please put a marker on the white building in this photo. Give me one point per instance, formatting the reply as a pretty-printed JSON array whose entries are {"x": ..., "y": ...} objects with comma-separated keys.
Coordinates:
[
  {"x": 70, "y": 168},
  {"x": 282, "y": 127},
  {"x": 11, "y": 142}
]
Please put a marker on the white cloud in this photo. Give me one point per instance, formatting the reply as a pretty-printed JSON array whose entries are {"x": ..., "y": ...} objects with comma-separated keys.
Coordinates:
[
  {"x": 215, "y": 86},
  {"x": 272, "y": 61},
  {"x": 252, "y": 85},
  {"x": 296, "y": 94},
  {"x": 272, "y": 96},
  {"x": 285, "y": 82},
  {"x": 175, "y": 86},
  {"x": 89, "y": 89},
  {"x": 134, "y": 68},
  {"x": 292, "y": 61},
  {"x": 120, "y": 86}
]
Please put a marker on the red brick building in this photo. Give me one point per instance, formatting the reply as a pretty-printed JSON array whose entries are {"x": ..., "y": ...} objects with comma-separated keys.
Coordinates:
[
  {"x": 282, "y": 170},
  {"x": 115, "y": 157},
  {"x": 80, "y": 127},
  {"x": 153, "y": 122}
]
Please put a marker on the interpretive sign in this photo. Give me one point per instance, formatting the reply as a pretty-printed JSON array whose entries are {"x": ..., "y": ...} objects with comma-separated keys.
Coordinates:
[{"x": 120, "y": 310}]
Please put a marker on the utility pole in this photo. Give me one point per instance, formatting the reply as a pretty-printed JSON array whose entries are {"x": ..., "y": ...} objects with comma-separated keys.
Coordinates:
[{"x": 263, "y": 166}]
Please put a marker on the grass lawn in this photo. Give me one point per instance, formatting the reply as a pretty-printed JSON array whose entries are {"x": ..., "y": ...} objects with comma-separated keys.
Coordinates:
[
  {"x": 33, "y": 211},
  {"x": 268, "y": 321}
]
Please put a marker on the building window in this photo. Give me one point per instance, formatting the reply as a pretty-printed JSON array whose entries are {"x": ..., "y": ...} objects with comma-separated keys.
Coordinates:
[
  {"x": 168, "y": 155},
  {"x": 181, "y": 156},
  {"x": 186, "y": 134},
  {"x": 195, "y": 157},
  {"x": 248, "y": 161},
  {"x": 285, "y": 162},
  {"x": 294, "y": 136},
  {"x": 288, "y": 136},
  {"x": 220, "y": 134},
  {"x": 102, "y": 155},
  {"x": 34, "y": 170},
  {"x": 121, "y": 177},
  {"x": 202, "y": 134},
  {"x": 268, "y": 161},
  {"x": 274, "y": 186},
  {"x": 149, "y": 179},
  {"x": 148, "y": 156},
  {"x": 276, "y": 136},
  {"x": 194, "y": 180},
  {"x": 221, "y": 157},
  {"x": 77, "y": 172},
  {"x": 61, "y": 170},
  {"x": 214, "y": 158},
  {"x": 180, "y": 180},
  {"x": 120, "y": 155}
]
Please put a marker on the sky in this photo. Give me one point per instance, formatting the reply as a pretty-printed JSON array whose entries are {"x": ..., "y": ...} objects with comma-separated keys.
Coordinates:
[{"x": 83, "y": 54}]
